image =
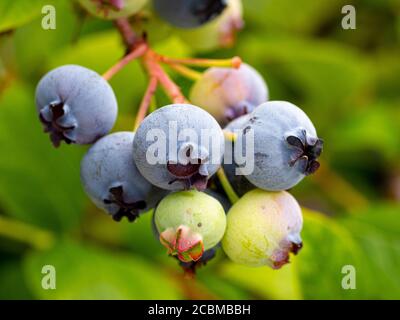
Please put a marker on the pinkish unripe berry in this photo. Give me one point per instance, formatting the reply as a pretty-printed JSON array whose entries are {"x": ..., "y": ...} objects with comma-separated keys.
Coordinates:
[
  {"x": 227, "y": 93},
  {"x": 263, "y": 228}
]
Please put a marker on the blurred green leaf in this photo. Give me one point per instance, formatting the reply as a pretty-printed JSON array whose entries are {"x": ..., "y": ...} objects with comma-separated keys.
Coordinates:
[
  {"x": 137, "y": 237},
  {"x": 84, "y": 272},
  {"x": 301, "y": 16},
  {"x": 12, "y": 281},
  {"x": 263, "y": 281},
  {"x": 17, "y": 12},
  {"x": 328, "y": 247},
  {"x": 38, "y": 184},
  {"x": 375, "y": 127},
  {"x": 219, "y": 286},
  {"x": 377, "y": 230},
  {"x": 327, "y": 74},
  {"x": 35, "y": 46}
]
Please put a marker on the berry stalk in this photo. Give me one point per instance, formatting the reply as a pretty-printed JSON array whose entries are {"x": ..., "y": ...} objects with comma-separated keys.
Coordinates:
[
  {"x": 151, "y": 62},
  {"x": 24, "y": 233},
  {"x": 146, "y": 101},
  {"x": 234, "y": 62},
  {"x": 134, "y": 54},
  {"x": 232, "y": 196},
  {"x": 185, "y": 71}
]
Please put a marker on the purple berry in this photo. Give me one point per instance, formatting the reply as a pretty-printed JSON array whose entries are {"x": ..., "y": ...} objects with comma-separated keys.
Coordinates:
[
  {"x": 111, "y": 179},
  {"x": 286, "y": 146},
  {"x": 179, "y": 147},
  {"x": 239, "y": 182},
  {"x": 189, "y": 13},
  {"x": 75, "y": 105},
  {"x": 228, "y": 93}
]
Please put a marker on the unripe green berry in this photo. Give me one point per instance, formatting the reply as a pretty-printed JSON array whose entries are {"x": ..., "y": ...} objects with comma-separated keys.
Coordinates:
[
  {"x": 189, "y": 222},
  {"x": 263, "y": 228}
]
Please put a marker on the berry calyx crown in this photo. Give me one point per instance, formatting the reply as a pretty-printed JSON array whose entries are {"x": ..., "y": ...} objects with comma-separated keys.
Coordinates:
[{"x": 182, "y": 242}]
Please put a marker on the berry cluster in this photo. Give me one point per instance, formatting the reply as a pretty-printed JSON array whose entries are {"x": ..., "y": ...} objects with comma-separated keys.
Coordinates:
[{"x": 179, "y": 162}]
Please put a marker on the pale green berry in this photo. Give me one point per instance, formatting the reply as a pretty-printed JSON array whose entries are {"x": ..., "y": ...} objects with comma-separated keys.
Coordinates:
[
  {"x": 113, "y": 9},
  {"x": 263, "y": 228},
  {"x": 189, "y": 222}
]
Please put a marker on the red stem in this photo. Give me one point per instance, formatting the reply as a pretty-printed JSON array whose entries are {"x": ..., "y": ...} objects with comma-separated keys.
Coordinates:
[
  {"x": 151, "y": 61},
  {"x": 136, "y": 53},
  {"x": 128, "y": 35},
  {"x": 144, "y": 106}
]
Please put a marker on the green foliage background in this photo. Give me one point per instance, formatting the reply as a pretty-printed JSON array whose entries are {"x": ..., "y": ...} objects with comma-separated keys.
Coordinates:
[{"x": 347, "y": 81}]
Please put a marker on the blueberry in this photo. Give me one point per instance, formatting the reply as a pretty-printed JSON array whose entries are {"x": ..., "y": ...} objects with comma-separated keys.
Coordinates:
[
  {"x": 219, "y": 33},
  {"x": 191, "y": 266},
  {"x": 178, "y": 147},
  {"x": 286, "y": 146},
  {"x": 112, "y": 181},
  {"x": 75, "y": 105},
  {"x": 189, "y": 223},
  {"x": 227, "y": 93},
  {"x": 238, "y": 182},
  {"x": 189, "y": 13},
  {"x": 263, "y": 228},
  {"x": 223, "y": 200},
  {"x": 112, "y": 9}
]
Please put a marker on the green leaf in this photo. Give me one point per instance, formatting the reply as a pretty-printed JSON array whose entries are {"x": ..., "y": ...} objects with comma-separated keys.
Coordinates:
[
  {"x": 43, "y": 44},
  {"x": 227, "y": 290},
  {"x": 13, "y": 285},
  {"x": 325, "y": 77},
  {"x": 38, "y": 183},
  {"x": 263, "y": 281},
  {"x": 89, "y": 273},
  {"x": 328, "y": 247},
  {"x": 299, "y": 16},
  {"x": 14, "y": 13},
  {"x": 376, "y": 230},
  {"x": 375, "y": 127}
]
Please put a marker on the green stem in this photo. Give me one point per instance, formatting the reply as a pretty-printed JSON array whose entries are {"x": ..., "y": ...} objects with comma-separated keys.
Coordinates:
[
  {"x": 21, "y": 232},
  {"x": 232, "y": 196},
  {"x": 186, "y": 72},
  {"x": 153, "y": 104}
]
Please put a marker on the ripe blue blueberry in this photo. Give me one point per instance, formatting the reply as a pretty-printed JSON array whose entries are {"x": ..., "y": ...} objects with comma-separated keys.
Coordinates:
[
  {"x": 286, "y": 146},
  {"x": 178, "y": 147},
  {"x": 112, "y": 181},
  {"x": 219, "y": 33},
  {"x": 189, "y": 13},
  {"x": 75, "y": 105},
  {"x": 227, "y": 93},
  {"x": 238, "y": 182}
]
